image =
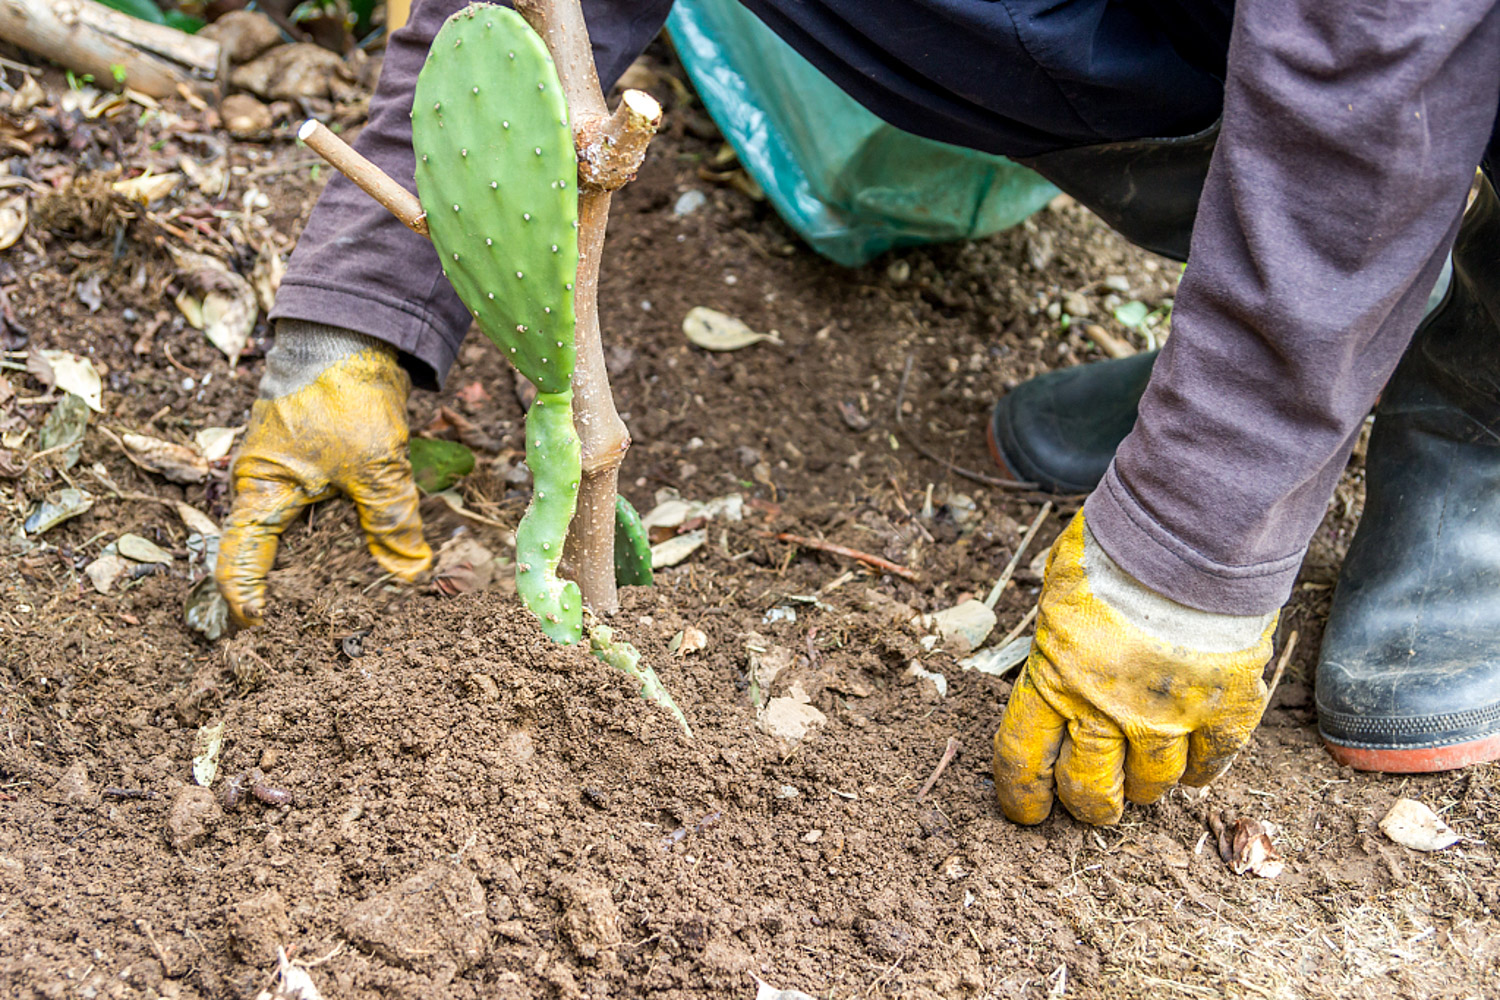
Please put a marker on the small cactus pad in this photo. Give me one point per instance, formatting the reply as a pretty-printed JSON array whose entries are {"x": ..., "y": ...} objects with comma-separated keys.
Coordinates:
[
  {"x": 497, "y": 175},
  {"x": 632, "y": 547},
  {"x": 552, "y": 452}
]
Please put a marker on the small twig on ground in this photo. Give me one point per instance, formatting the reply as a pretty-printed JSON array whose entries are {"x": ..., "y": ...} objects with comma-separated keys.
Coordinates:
[
  {"x": 128, "y": 793},
  {"x": 1015, "y": 560},
  {"x": 901, "y": 389},
  {"x": 1286, "y": 657},
  {"x": 812, "y": 649},
  {"x": 959, "y": 470},
  {"x": 948, "y": 754},
  {"x": 841, "y": 550},
  {"x": 1015, "y": 632}
]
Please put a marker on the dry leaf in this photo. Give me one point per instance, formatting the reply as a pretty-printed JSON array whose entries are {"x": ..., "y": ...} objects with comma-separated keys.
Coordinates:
[
  {"x": 689, "y": 640},
  {"x": 27, "y": 96},
  {"x": 141, "y": 550},
  {"x": 70, "y": 373},
  {"x": 13, "y": 219},
  {"x": 463, "y": 566},
  {"x": 716, "y": 331},
  {"x": 266, "y": 275},
  {"x": 176, "y": 462},
  {"x": 217, "y": 301},
  {"x": 1246, "y": 845},
  {"x": 674, "y": 550},
  {"x": 215, "y": 442},
  {"x": 1411, "y": 824},
  {"x": 105, "y": 571},
  {"x": 210, "y": 178},
  {"x": 148, "y": 187},
  {"x": 196, "y": 520}
]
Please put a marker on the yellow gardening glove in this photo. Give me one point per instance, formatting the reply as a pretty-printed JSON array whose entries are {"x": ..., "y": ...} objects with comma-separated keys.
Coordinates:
[
  {"x": 1125, "y": 693},
  {"x": 331, "y": 418}
]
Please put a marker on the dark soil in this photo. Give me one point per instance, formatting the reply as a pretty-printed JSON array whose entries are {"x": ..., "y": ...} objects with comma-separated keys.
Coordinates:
[{"x": 476, "y": 812}]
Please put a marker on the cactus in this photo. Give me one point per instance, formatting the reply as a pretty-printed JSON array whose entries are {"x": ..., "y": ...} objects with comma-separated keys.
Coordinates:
[
  {"x": 624, "y": 657},
  {"x": 498, "y": 179},
  {"x": 632, "y": 547}
]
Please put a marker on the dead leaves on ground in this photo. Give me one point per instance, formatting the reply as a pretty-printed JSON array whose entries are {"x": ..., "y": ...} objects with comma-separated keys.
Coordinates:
[{"x": 1246, "y": 845}]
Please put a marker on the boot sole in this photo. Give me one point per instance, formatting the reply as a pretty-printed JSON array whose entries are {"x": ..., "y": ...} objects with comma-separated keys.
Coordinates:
[{"x": 1416, "y": 760}]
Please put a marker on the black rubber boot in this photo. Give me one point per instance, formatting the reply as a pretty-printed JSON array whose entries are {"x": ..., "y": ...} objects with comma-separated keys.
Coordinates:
[
  {"x": 1060, "y": 430},
  {"x": 1409, "y": 679}
]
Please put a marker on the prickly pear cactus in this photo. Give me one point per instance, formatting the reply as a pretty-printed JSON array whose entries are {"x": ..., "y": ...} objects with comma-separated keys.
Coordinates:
[
  {"x": 552, "y": 452},
  {"x": 632, "y": 547},
  {"x": 498, "y": 178}
]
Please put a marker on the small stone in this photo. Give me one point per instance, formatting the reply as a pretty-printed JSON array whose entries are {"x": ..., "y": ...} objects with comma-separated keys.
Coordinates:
[
  {"x": 689, "y": 202},
  {"x": 73, "y": 788},
  {"x": 245, "y": 117}
]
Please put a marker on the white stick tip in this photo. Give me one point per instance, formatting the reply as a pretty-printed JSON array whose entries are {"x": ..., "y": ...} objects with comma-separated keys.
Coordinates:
[{"x": 308, "y": 128}]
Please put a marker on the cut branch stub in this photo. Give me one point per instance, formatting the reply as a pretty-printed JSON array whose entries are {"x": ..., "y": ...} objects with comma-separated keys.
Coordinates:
[{"x": 498, "y": 177}]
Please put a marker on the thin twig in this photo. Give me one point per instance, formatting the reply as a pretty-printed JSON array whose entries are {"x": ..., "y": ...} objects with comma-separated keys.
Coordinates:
[
  {"x": 1286, "y": 657},
  {"x": 841, "y": 550},
  {"x": 1015, "y": 560},
  {"x": 1015, "y": 632},
  {"x": 375, "y": 182},
  {"x": 948, "y": 753},
  {"x": 956, "y": 469},
  {"x": 901, "y": 389}
]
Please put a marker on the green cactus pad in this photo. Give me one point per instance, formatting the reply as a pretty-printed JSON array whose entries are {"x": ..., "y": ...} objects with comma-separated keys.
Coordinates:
[
  {"x": 552, "y": 452},
  {"x": 624, "y": 657},
  {"x": 498, "y": 178},
  {"x": 632, "y": 547}
]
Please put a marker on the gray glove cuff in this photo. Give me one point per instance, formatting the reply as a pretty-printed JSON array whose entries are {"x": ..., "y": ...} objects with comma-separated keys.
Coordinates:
[
  {"x": 303, "y": 351},
  {"x": 1161, "y": 617}
]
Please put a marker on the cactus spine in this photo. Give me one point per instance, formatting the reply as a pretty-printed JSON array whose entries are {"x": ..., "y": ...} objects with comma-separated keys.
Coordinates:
[{"x": 498, "y": 178}]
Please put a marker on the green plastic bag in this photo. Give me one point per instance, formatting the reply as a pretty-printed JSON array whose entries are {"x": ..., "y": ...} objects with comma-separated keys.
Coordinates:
[{"x": 852, "y": 186}]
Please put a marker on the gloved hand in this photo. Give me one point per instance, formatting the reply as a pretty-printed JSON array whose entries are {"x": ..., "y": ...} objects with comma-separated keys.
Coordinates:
[
  {"x": 1125, "y": 693},
  {"x": 331, "y": 418}
]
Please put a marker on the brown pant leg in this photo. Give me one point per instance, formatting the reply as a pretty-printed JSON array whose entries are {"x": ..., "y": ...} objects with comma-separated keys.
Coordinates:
[{"x": 355, "y": 266}]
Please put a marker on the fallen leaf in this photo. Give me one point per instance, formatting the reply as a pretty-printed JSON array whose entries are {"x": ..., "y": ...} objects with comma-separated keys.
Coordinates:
[
  {"x": 674, "y": 550},
  {"x": 1246, "y": 845},
  {"x": 1412, "y": 824},
  {"x": 215, "y": 442},
  {"x": 463, "y": 566},
  {"x": 206, "y": 746},
  {"x": 765, "y": 991},
  {"x": 208, "y": 178},
  {"x": 690, "y": 640},
  {"x": 143, "y": 550},
  {"x": 1132, "y": 313},
  {"x": 70, "y": 373},
  {"x": 716, "y": 331},
  {"x": 10, "y": 467},
  {"x": 997, "y": 661},
  {"x": 217, "y": 301},
  {"x": 13, "y": 218},
  {"x": 64, "y": 428},
  {"x": 196, "y": 520},
  {"x": 148, "y": 187},
  {"x": 790, "y": 718},
  {"x": 266, "y": 275},
  {"x": 90, "y": 293},
  {"x": 205, "y": 611},
  {"x": 176, "y": 462},
  {"x": 104, "y": 571},
  {"x": 55, "y": 508},
  {"x": 27, "y": 96},
  {"x": 437, "y": 465}
]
